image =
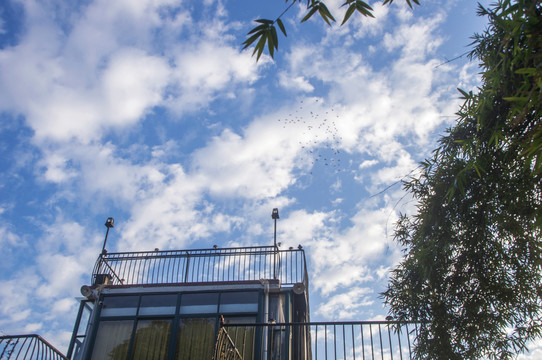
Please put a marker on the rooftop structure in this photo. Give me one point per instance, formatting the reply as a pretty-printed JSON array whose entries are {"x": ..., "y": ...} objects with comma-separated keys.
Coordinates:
[{"x": 218, "y": 303}]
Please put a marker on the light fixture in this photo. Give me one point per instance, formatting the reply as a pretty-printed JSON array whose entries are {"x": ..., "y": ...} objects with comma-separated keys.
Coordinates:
[
  {"x": 109, "y": 223},
  {"x": 275, "y": 216}
]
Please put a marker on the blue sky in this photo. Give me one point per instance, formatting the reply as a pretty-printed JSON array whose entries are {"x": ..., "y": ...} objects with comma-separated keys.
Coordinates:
[{"x": 150, "y": 111}]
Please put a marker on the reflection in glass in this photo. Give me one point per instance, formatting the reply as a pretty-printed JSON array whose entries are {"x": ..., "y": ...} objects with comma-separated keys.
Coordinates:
[
  {"x": 119, "y": 305},
  {"x": 243, "y": 337},
  {"x": 151, "y": 340},
  {"x": 239, "y": 302},
  {"x": 201, "y": 303},
  {"x": 112, "y": 340},
  {"x": 158, "y": 304},
  {"x": 196, "y": 339}
]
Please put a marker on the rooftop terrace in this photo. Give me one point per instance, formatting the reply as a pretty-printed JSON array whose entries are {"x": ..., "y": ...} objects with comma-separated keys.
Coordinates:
[{"x": 202, "y": 266}]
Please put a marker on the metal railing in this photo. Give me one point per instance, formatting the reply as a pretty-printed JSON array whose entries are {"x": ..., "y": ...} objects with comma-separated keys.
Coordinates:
[
  {"x": 203, "y": 266},
  {"x": 225, "y": 347},
  {"x": 28, "y": 347},
  {"x": 362, "y": 340}
]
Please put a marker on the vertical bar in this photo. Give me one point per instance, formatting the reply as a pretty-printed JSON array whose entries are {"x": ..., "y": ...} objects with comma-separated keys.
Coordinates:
[
  {"x": 372, "y": 347},
  {"x": 335, "y": 340},
  {"x": 209, "y": 266},
  {"x": 353, "y": 344},
  {"x": 316, "y": 342},
  {"x": 362, "y": 343},
  {"x": 186, "y": 267},
  {"x": 380, "y": 337},
  {"x": 325, "y": 341},
  {"x": 399, "y": 340},
  {"x": 389, "y": 339},
  {"x": 198, "y": 260},
  {"x": 344, "y": 344},
  {"x": 215, "y": 255}
]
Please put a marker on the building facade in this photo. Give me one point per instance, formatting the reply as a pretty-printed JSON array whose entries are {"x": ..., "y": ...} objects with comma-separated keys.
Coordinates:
[{"x": 174, "y": 305}]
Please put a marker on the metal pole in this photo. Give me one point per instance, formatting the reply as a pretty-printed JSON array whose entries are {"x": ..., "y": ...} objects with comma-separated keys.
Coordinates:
[
  {"x": 105, "y": 241},
  {"x": 275, "y": 216},
  {"x": 275, "y": 252}
]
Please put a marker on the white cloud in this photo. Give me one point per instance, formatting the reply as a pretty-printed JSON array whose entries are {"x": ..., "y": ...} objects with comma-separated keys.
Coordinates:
[
  {"x": 295, "y": 83},
  {"x": 15, "y": 310},
  {"x": 8, "y": 238},
  {"x": 347, "y": 257},
  {"x": 105, "y": 71},
  {"x": 346, "y": 305},
  {"x": 132, "y": 83}
]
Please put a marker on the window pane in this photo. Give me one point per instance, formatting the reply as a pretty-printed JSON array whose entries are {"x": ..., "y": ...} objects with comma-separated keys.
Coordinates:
[
  {"x": 239, "y": 302},
  {"x": 151, "y": 339},
  {"x": 158, "y": 304},
  {"x": 243, "y": 337},
  {"x": 239, "y": 297},
  {"x": 196, "y": 339},
  {"x": 120, "y": 305},
  {"x": 112, "y": 340},
  {"x": 204, "y": 303}
]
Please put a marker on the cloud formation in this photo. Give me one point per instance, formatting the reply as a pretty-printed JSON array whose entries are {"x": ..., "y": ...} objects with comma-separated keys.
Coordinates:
[{"x": 150, "y": 112}]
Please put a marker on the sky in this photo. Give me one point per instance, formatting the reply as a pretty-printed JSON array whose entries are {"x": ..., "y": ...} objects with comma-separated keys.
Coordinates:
[{"x": 151, "y": 112}]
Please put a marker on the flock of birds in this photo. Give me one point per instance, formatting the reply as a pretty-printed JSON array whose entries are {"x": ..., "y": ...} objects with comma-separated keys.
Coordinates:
[{"x": 319, "y": 138}]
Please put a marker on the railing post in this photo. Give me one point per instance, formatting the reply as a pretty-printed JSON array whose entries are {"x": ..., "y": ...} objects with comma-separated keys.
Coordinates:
[{"x": 187, "y": 267}]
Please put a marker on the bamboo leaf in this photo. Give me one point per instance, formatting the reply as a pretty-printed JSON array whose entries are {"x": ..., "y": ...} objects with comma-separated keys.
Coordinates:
[
  {"x": 251, "y": 39},
  {"x": 348, "y": 13},
  {"x": 281, "y": 26},
  {"x": 256, "y": 29},
  {"x": 265, "y": 21},
  {"x": 311, "y": 13},
  {"x": 324, "y": 12}
]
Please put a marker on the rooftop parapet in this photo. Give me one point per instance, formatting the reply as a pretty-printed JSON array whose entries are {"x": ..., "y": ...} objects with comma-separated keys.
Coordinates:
[{"x": 217, "y": 265}]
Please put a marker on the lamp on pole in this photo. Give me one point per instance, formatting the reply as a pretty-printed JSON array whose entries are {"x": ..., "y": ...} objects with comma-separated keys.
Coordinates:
[
  {"x": 275, "y": 216},
  {"x": 110, "y": 222}
]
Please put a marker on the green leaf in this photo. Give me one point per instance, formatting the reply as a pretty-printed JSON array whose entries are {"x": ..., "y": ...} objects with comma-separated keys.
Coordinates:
[
  {"x": 313, "y": 10},
  {"x": 529, "y": 71},
  {"x": 516, "y": 98},
  {"x": 265, "y": 21},
  {"x": 260, "y": 46},
  {"x": 324, "y": 13},
  {"x": 257, "y": 29},
  {"x": 464, "y": 93},
  {"x": 251, "y": 39},
  {"x": 364, "y": 8},
  {"x": 349, "y": 12},
  {"x": 281, "y": 26}
]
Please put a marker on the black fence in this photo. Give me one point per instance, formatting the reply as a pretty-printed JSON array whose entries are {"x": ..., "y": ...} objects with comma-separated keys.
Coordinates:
[
  {"x": 363, "y": 340},
  {"x": 28, "y": 347},
  {"x": 202, "y": 266}
]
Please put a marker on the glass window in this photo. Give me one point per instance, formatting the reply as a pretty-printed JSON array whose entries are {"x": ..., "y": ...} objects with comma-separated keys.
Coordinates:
[
  {"x": 120, "y": 305},
  {"x": 158, "y": 304},
  {"x": 112, "y": 340},
  {"x": 151, "y": 340},
  {"x": 202, "y": 303},
  {"x": 239, "y": 302},
  {"x": 196, "y": 338},
  {"x": 242, "y": 336}
]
